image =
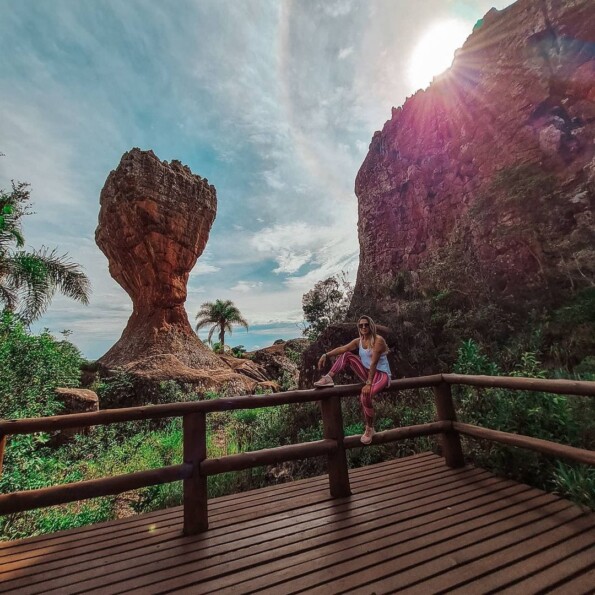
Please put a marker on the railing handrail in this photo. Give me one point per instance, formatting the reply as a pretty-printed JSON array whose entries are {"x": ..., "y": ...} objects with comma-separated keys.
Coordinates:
[
  {"x": 109, "y": 416},
  {"x": 196, "y": 467},
  {"x": 583, "y": 388}
]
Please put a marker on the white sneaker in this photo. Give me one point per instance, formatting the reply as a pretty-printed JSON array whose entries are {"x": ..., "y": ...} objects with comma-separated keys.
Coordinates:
[
  {"x": 325, "y": 382},
  {"x": 367, "y": 435}
]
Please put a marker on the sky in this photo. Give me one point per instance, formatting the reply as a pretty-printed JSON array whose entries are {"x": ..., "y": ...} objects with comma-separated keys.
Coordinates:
[{"x": 275, "y": 102}]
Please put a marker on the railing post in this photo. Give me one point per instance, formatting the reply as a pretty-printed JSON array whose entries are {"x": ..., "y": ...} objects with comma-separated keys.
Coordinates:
[
  {"x": 332, "y": 421},
  {"x": 196, "y": 517},
  {"x": 451, "y": 441}
]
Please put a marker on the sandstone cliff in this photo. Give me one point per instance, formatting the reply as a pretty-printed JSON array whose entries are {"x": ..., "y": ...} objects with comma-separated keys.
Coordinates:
[{"x": 495, "y": 159}]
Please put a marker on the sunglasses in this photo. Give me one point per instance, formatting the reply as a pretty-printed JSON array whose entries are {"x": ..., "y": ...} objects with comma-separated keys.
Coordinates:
[{"x": 363, "y": 325}]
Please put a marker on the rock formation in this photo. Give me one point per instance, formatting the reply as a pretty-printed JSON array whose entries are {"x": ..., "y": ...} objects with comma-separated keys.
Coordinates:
[
  {"x": 489, "y": 174},
  {"x": 520, "y": 93},
  {"x": 154, "y": 223},
  {"x": 76, "y": 400},
  {"x": 280, "y": 361}
]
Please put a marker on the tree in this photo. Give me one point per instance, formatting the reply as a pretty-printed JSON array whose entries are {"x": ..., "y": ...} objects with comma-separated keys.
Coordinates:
[
  {"x": 222, "y": 314},
  {"x": 30, "y": 279},
  {"x": 326, "y": 303}
]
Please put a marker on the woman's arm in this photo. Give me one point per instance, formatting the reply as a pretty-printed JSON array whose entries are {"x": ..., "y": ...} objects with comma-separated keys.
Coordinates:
[{"x": 337, "y": 351}]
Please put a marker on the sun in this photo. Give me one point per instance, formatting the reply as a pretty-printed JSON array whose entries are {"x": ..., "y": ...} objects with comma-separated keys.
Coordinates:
[{"x": 434, "y": 52}]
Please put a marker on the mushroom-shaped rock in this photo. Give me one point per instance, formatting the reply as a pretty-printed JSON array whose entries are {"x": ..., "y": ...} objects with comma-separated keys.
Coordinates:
[{"x": 154, "y": 223}]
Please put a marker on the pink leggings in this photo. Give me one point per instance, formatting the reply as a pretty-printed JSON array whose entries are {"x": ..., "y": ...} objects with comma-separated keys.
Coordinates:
[{"x": 380, "y": 382}]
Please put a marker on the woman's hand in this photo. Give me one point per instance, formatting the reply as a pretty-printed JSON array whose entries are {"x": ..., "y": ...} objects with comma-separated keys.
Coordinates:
[
  {"x": 322, "y": 361},
  {"x": 366, "y": 390}
]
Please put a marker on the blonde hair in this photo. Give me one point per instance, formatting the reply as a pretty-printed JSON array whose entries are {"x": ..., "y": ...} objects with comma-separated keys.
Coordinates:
[{"x": 373, "y": 331}]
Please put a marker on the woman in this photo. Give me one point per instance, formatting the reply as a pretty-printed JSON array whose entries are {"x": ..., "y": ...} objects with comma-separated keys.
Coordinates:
[{"x": 371, "y": 366}]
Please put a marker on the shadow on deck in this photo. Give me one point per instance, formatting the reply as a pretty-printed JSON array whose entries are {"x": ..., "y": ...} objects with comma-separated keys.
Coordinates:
[{"x": 411, "y": 525}]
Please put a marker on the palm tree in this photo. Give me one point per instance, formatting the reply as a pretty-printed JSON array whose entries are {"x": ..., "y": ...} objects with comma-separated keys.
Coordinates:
[
  {"x": 29, "y": 280},
  {"x": 221, "y": 314}
]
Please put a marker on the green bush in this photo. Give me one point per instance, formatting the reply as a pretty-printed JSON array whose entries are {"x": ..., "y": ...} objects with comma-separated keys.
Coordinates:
[
  {"x": 31, "y": 367},
  {"x": 556, "y": 418}
]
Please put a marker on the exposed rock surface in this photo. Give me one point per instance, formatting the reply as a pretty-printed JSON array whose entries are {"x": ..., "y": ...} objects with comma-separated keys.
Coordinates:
[
  {"x": 154, "y": 223},
  {"x": 76, "y": 400},
  {"x": 520, "y": 92},
  {"x": 280, "y": 362}
]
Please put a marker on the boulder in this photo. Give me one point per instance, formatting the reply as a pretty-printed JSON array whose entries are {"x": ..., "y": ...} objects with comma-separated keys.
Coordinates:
[{"x": 76, "y": 400}]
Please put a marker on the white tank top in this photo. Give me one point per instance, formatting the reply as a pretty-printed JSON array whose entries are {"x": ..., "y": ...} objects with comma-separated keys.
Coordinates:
[{"x": 366, "y": 356}]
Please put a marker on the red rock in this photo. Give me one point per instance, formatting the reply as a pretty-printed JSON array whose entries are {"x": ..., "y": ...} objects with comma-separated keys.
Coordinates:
[
  {"x": 154, "y": 223},
  {"x": 520, "y": 91}
]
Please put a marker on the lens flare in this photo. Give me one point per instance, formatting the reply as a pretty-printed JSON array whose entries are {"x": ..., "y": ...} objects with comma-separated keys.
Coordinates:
[{"x": 434, "y": 52}]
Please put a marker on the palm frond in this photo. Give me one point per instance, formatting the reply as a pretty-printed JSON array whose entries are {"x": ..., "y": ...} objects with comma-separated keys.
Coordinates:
[
  {"x": 8, "y": 296},
  {"x": 66, "y": 276}
]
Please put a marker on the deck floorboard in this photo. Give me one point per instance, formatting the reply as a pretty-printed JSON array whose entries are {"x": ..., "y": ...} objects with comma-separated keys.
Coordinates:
[{"x": 411, "y": 526}]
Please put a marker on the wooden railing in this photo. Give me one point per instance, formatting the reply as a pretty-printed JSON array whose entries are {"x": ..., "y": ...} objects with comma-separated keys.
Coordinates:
[{"x": 196, "y": 467}]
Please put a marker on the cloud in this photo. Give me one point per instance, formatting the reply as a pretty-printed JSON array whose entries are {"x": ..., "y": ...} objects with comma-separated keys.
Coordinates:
[
  {"x": 344, "y": 52},
  {"x": 203, "y": 268},
  {"x": 274, "y": 102},
  {"x": 247, "y": 287}
]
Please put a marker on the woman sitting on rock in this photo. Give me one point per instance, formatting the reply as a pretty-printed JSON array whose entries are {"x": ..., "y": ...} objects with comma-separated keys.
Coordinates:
[{"x": 371, "y": 367}]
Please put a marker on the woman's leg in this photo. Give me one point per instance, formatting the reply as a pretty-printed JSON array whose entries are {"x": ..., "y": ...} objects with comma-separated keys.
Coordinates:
[
  {"x": 381, "y": 381},
  {"x": 350, "y": 360}
]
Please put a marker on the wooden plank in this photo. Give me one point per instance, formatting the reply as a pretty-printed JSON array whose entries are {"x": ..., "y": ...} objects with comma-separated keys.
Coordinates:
[
  {"x": 229, "y": 520},
  {"x": 451, "y": 443},
  {"x": 411, "y": 572},
  {"x": 196, "y": 518},
  {"x": 545, "y": 447},
  {"x": 179, "y": 554},
  {"x": 291, "y": 521},
  {"x": 93, "y": 488},
  {"x": 573, "y": 574},
  {"x": 527, "y": 544},
  {"x": 159, "y": 517},
  {"x": 288, "y": 520},
  {"x": 581, "y": 584},
  {"x": 359, "y": 475},
  {"x": 292, "y": 573},
  {"x": 338, "y": 473},
  {"x": 560, "y": 387},
  {"x": 261, "y": 570},
  {"x": 307, "y": 541},
  {"x": 406, "y": 563}
]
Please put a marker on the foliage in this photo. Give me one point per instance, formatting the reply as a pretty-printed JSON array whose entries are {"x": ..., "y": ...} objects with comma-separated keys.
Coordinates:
[
  {"x": 238, "y": 351},
  {"x": 556, "y": 418},
  {"x": 326, "y": 303},
  {"x": 222, "y": 314},
  {"x": 30, "y": 279},
  {"x": 31, "y": 367},
  {"x": 576, "y": 482}
]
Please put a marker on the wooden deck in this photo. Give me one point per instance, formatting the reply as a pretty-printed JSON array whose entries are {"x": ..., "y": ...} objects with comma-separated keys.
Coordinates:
[{"x": 412, "y": 525}]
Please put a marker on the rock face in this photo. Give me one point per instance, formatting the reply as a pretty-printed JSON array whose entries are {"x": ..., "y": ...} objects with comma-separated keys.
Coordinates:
[
  {"x": 154, "y": 223},
  {"x": 279, "y": 362},
  {"x": 76, "y": 400},
  {"x": 520, "y": 94}
]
